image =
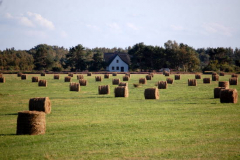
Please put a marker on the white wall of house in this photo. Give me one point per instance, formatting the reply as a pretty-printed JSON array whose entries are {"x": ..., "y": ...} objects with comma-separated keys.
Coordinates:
[{"x": 117, "y": 65}]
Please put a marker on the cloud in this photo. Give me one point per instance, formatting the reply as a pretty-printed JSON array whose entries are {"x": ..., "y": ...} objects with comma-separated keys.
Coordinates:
[
  {"x": 8, "y": 16},
  {"x": 93, "y": 27},
  {"x": 38, "y": 19},
  {"x": 215, "y": 28},
  {"x": 114, "y": 26},
  {"x": 25, "y": 21},
  {"x": 176, "y": 27},
  {"x": 132, "y": 26}
]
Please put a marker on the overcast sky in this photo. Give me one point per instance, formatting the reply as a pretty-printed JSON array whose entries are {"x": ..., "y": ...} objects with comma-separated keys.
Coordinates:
[{"x": 119, "y": 23}]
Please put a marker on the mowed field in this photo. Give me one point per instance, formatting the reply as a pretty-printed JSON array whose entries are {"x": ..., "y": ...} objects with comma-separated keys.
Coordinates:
[{"x": 185, "y": 123}]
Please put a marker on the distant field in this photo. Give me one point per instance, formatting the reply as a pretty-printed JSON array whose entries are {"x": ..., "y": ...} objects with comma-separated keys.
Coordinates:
[{"x": 185, "y": 123}]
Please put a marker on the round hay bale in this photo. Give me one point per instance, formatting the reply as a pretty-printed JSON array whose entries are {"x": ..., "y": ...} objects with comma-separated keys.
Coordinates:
[
  {"x": 31, "y": 123},
  {"x": 1, "y": 75},
  {"x": 56, "y": 76},
  {"x": 215, "y": 78},
  {"x": 123, "y": 84},
  {"x": 80, "y": 76},
  {"x": 142, "y": 81},
  {"x": 136, "y": 85},
  {"x": 115, "y": 81},
  {"x": 74, "y": 86},
  {"x": 34, "y": 79},
  {"x": 128, "y": 74},
  {"x": 151, "y": 93},
  {"x": 167, "y": 74},
  {"x": 98, "y": 78},
  {"x": 151, "y": 74},
  {"x": 2, "y": 79},
  {"x": 104, "y": 89},
  {"x": 177, "y": 77},
  {"x": 214, "y": 73},
  {"x": 106, "y": 76},
  {"x": 121, "y": 91},
  {"x": 217, "y": 91},
  {"x": 23, "y": 76},
  {"x": 224, "y": 84},
  {"x": 206, "y": 80},
  {"x": 89, "y": 74},
  {"x": 148, "y": 77},
  {"x": 222, "y": 73},
  {"x": 67, "y": 79},
  {"x": 19, "y": 74},
  {"x": 228, "y": 96},
  {"x": 40, "y": 104},
  {"x": 126, "y": 78},
  {"x": 42, "y": 83},
  {"x": 192, "y": 82},
  {"x": 198, "y": 76},
  {"x": 114, "y": 74},
  {"x": 70, "y": 74},
  {"x": 162, "y": 84},
  {"x": 233, "y": 81},
  {"x": 235, "y": 75},
  {"x": 83, "y": 82},
  {"x": 43, "y": 74},
  {"x": 169, "y": 80}
]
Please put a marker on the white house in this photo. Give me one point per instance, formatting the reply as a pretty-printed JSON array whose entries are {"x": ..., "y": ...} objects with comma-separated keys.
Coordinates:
[{"x": 117, "y": 62}]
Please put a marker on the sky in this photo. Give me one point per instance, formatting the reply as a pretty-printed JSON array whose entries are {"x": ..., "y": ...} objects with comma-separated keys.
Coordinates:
[{"x": 25, "y": 24}]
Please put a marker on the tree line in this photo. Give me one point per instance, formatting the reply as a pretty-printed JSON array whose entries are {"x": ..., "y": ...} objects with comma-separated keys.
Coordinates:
[{"x": 180, "y": 57}]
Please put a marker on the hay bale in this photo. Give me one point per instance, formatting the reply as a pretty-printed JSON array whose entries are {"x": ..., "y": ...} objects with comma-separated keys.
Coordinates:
[
  {"x": 115, "y": 81},
  {"x": 43, "y": 74},
  {"x": 167, "y": 74},
  {"x": 235, "y": 75},
  {"x": 142, "y": 81},
  {"x": 56, "y": 76},
  {"x": 114, "y": 74},
  {"x": 224, "y": 84},
  {"x": 148, "y": 77},
  {"x": 80, "y": 76},
  {"x": 123, "y": 84},
  {"x": 89, "y": 74},
  {"x": 206, "y": 80},
  {"x": 106, "y": 76},
  {"x": 42, "y": 83},
  {"x": 192, "y": 82},
  {"x": 177, "y": 77},
  {"x": 137, "y": 85},
  {"x": 128, "y": 74},
  {"x": 214, "y": 73},
  {"x": 228, "y": 96},
  {"x": 34, "y": 79},
  {"x": 151, "y": 93},
  {"x": 198, "y": 76},
  {"x": 40, "y": 104},
  {"x": 67, "y": 79},
  {"x": 1, "y": 75},
  {"x": 233, "y": 81},
  {"x": 151, "y": 74},
  {"x": 222, "y": 73},
  {"x": 162, "y": 84},
  {"x": 215, "y": 78},
  {"x": 169, "y": 80},
  {"x": 19, "y": 74},
  {"x": 104, "y": 89},
  {"x": 74, "y": 86},
  {"x": 70, "y": 74},
  {"x": 98, "y": 78},
  {"x": 217, "y": 91},
  {"x": 126, "y": 78},
  {"x": 2, "y": 79},
  {"x": 83, "y": 82},
  {"x": 121, "y": 91},
  {"x": 31, "y": 123},
  {"x": 23, "y": 76}
]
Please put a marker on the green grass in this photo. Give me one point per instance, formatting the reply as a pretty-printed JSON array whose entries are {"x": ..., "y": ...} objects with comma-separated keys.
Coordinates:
[{"x": 185, "y": 123}]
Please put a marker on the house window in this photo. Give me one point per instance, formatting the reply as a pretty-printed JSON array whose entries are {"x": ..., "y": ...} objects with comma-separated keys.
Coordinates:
[
  {"x": 117, "y": 61},
  {"x": 117, "y": 68},
  {"x": 113, "y": 68}
]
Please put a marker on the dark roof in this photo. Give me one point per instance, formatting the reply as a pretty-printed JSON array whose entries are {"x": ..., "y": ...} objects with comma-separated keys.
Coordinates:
[{"x": 109, "y": 57}]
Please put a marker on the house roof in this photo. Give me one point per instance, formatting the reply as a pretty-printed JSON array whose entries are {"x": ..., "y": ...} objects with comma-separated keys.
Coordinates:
[{"x": 109, "y": 57}]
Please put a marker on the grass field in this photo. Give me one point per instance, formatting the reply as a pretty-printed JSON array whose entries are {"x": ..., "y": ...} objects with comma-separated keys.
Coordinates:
[{"x": 185, "y": 123}]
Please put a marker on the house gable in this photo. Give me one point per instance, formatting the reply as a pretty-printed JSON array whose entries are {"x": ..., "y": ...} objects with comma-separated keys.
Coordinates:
[{"x": 117, "y": 62}]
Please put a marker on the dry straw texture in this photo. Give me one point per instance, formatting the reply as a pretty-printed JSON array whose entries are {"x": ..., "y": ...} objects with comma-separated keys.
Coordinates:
[
  {"x": 214, "y": 73},
  {"x": 167, "y": 74},
  {"x": 23, "y": 76},
  {"x": 215, "y": 78},
  {"x": 70, "y": 74},
  {"x": 89, "y": 74},
  {"x": 42, "y": 83},
  {"x": 228, "y": 96},
  {"x": 126, "y": 78},
  {"x": 233, "y": 81},
  {"x": 162, "y": 84},
  {"x": 192, "y": 82},
  {"x": 98, "y": 78},
  {"x": 128, "y": 74},
  {"x": 2, "y": 79},
  {"x": 40, "y": 104},
  {"x": 43, "y": 74},
  {"x": 235, "y": 75},
  {"x": 148, "y": 77},
  {"x": 34, "y": 79},
  {"x": 67, "y": 79},
  {"x": 198, "y": 76},
  {"x": 31, "y": 123},
  {"x": 224, "y": 84},
  {"x": 106, "y": 76},
  {"x": 217, "y": 91},
  {"x": 137, "y": 85},
  {"x": 104, "y": 89},
  {"x": 222, "y": 73},
  {"x": 151, "y": 93},
  {"x": 114, "y": 74},
  {"x": 121, "y": 91},
  {"x": 177, "y": 77},
  {"x": 74, "y": 86},
  {"x": 80, "y": 76},
  {"x": 83, "y": 82},
  {"x": 142, "y": 81},
  {"x": 151, "y": 74},
  {"x": 206, "y": 80},
  {"x": 123, "y": 84},
  {"x": 19, "y": 74},
  {"x": 169, "y": 80},
  {"x": 115, "y": 81},
  {"x": 1, "y": 75},
  {"x": 56, "y": 76}
]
